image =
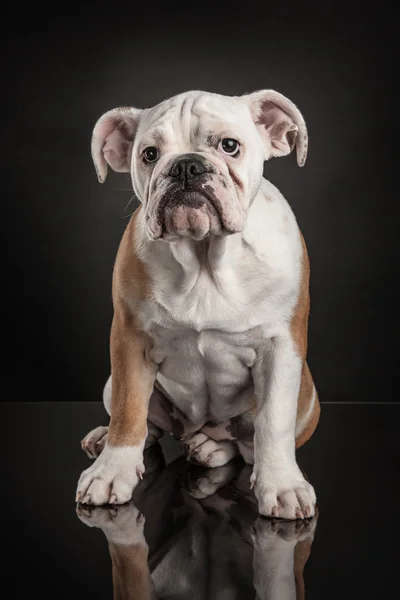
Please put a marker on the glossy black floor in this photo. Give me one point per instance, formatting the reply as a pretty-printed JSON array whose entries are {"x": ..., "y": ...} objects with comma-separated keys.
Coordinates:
[{"x": 204, "y": 538}]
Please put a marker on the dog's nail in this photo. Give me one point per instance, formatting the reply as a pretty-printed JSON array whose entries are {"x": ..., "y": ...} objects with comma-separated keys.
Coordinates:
[
  {"x": 78, "y": 496},
  {"x": 275, "y": 525},
  {"x": 307, "y": 512},
  {"x": 86, "y": 499},
  {"x": 275, "y": 511},
  {"x": 299, "y": 514},
  {"x": 140, "y": 519},
  {"x": 251, "y": 485},
  {"x": 113, "y": 499}
]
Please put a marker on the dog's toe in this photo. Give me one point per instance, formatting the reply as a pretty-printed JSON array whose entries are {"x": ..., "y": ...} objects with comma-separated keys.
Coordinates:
[
  {"x": 291, "y": 497},
  {"x": 201, "y": 450},
  {"x": 93, "y": 443}
]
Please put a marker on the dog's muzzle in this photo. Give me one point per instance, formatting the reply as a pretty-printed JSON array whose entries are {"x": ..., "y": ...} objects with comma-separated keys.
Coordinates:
[{"x": 189, "y": 206}]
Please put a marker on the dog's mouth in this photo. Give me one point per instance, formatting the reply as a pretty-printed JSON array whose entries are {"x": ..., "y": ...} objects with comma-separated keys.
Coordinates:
[
  {"x": 191, "y": 198},
  {"x": 188, "y": 212}
]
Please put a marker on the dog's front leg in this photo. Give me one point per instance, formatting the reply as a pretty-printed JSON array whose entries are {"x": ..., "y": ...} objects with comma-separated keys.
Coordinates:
[
  {"x": 280, "y": 487},
  {"x": 116, "y": 472},
  {"x": 123, "y": 527}
]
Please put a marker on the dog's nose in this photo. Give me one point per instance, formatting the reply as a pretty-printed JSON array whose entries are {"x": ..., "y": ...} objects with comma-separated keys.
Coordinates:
[{"x": 188, "y": 168}]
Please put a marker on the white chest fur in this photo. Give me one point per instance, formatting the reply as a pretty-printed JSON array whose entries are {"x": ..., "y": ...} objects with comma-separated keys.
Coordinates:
[{"x": 216, "y": 302}]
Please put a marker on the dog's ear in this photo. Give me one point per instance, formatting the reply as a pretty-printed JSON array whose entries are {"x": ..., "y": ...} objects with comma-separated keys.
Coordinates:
[
  {"x": 112, "y": 140},
  {"x": 280, "y": 123}
]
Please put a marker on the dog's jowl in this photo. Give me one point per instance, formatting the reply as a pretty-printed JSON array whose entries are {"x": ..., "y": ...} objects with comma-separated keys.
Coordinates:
[{"x": 211, "y": 298}]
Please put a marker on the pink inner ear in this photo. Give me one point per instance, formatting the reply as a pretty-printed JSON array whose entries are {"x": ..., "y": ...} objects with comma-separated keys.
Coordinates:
[
  {"x": 116, "y": 150},
  {"x": 270, "y": 114},
  {"x": 112, "y": 140},
  {"x": 281, "y": 129}
]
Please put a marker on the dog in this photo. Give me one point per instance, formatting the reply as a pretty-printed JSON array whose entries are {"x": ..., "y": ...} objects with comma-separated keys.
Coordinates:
[
  {"x": 211, "y": 298},
  {"x": 218, "y": 547}
]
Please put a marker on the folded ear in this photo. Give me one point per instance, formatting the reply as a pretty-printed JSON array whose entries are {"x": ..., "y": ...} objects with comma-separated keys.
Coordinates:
[
  {"x": 280, "y": 123},
  {"x": 112, "y": 140}
]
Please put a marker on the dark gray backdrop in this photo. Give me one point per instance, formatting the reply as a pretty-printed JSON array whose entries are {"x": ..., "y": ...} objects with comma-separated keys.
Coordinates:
[{"x": 61, "y": 228}]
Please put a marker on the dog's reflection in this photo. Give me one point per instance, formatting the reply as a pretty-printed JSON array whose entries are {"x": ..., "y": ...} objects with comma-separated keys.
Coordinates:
[{"x": 193, "y": 533}]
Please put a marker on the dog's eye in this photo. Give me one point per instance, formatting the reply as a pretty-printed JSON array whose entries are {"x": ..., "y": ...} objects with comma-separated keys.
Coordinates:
[
  {"x": 150, "y": 154},
  {"x": 229, "y": 146}
]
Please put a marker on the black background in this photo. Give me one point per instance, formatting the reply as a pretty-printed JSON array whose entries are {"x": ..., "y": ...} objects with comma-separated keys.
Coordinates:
[{"x": 61, "y": 228}]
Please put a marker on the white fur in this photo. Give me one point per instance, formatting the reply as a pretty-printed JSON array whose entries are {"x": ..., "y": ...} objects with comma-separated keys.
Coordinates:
[
  {"x": 208, "y": 328},
  {"x": 112, "y": 478},
  {"x": 209, "y": 453},
  {"x": 107, "y": 396}
]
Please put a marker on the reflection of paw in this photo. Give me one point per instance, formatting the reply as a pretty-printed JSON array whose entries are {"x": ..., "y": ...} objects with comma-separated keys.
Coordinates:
[
  {"x": 208, "y": 481},
  {"x": 202, "y": 450},
  {"x": 265, "y": 531},
  {"x": 112, "y": 477},
  {"x": 285, "y": 494},
  {"x": 121, "y": 524},
  {"x": 93, "y": 443}
]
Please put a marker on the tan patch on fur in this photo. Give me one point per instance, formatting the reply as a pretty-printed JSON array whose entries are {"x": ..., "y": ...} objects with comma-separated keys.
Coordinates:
[
  {"x": 304, "y": 401},
  {"x": 299, "y": 330},
  {"x": 130, "y": 572},
  {"x": 133, "y": 372},
  {"x": 302, "y": 553},
  {"x": 299, "y": 321},
  {"x": 130, "y": 278}
]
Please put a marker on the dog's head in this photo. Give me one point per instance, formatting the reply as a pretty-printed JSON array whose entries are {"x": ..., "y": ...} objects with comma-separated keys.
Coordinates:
[{"x": 196, "y": 160}]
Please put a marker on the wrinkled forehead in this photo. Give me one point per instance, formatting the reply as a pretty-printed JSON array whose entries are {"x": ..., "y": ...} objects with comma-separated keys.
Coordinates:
[{"x": 194, "y": 112}]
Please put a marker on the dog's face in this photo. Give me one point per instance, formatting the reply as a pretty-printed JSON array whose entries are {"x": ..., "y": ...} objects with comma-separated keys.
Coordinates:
[{"x": 196, "y": 160}]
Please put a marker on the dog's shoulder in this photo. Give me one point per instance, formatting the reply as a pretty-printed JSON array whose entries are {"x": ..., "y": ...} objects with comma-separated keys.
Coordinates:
[
  {"x": 274, "y": 236},
  {"x": 131, "y": 278}
]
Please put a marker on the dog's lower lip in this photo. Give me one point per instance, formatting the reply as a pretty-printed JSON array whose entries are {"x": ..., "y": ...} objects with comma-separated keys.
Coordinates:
[{"x": 170, "y": 200}]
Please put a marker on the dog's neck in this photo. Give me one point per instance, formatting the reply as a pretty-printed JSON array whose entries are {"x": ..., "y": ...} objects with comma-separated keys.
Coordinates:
[
  {"x": 212, "y": 253},
  {"x": 186, "y": 259}
]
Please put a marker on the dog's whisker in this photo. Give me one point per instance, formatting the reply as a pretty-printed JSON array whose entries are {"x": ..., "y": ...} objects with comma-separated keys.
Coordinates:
[
  {"x": 129, "y": 202},
  {"x": 127, "y": 216}
]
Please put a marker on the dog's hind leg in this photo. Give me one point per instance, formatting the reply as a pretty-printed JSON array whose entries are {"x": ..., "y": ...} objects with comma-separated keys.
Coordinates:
[
  {"x": 202, "y": 450},
  {"x": 93, "y": 443}
]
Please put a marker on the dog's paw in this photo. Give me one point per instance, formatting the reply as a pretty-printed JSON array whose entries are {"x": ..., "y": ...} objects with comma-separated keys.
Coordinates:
[
  {"x": 207, "y": 482},
  {"x": 284, "y": 495},
  {"x": 265, "y": 531},
  {"x": 201, "y": 450},
  {"x": 120, "y": 524},
  {"x": 112, "y": 477},
  {"x": 93, "y": 443}
]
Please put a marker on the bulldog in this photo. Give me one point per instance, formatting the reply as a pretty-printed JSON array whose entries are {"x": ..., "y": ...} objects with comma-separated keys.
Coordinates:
[{"x": 211, "y": 298}]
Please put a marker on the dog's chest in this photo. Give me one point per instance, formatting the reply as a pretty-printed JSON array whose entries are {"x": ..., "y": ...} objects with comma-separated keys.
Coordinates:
[
  {"x": 204, "y": 373},
  {"x": 209, "y": 319},
  {"x": 205, "y": 341},
  {"x": 203, "y": 326}
]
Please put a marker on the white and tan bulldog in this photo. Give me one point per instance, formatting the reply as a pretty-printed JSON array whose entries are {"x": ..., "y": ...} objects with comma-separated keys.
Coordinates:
[{"x": 211, "y": 298}]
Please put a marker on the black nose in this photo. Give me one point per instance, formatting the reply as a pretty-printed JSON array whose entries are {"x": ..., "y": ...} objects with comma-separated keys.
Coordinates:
[{"x": 187, "y": 169}]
